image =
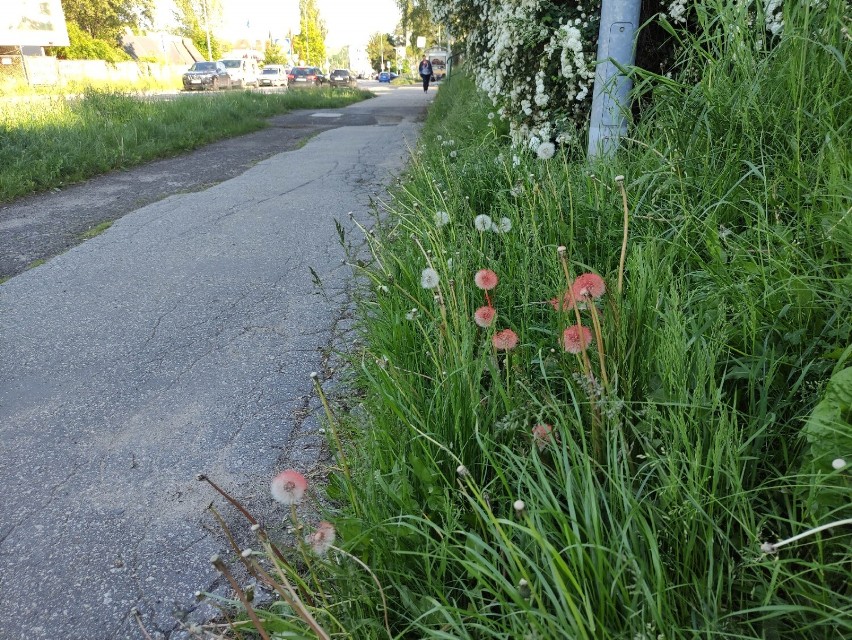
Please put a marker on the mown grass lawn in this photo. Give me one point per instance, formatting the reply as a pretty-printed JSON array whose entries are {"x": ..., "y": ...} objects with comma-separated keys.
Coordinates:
[{"x": 48, "y": 142}]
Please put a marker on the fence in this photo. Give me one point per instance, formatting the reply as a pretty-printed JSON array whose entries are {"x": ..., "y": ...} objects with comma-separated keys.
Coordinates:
[{"x": 47, "y": 70}]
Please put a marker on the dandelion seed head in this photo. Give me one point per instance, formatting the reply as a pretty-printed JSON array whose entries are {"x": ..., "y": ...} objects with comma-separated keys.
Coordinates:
[
  {"x": 322, "y": 539},
  {"x": 838, "y": 463},
  {"x": 576, "y": 338},
  {"x": 442, "y": 218},
  {"x": 519, "y": 506},
  {"x": 546, "y": 150},
  {"x": 482, "y": 222},
  {"x": 505, "y": 340},
  {"x": 588, "y": 286},
  {"x": 504, "y": 226},
  {"x": 462, "y": 471},
  {"x": 411, "y": 315},
  {"x": 429, "y": 278},
  {"x": 484, "y": 316},
  {"x": 289, "y": 487},
  {"x": 542, "y": 435},
  {"x": 485, "y": 279}
]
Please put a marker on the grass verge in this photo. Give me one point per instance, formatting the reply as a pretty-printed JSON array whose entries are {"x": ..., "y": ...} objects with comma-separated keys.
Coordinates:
[
  {"x": 57, "y": 141},
  {"x": 668, "y": 457}
]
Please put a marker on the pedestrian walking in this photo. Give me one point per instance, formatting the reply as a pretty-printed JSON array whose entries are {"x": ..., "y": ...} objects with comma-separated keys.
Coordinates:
[{"x": 425, "y": 71}]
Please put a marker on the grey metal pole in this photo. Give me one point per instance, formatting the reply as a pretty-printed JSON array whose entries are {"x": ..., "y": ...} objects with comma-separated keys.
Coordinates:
[{"x": 619, "y": 22}]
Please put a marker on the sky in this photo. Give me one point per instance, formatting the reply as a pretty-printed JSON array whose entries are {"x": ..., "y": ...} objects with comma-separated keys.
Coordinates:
[{"x": 348, "y": 21}]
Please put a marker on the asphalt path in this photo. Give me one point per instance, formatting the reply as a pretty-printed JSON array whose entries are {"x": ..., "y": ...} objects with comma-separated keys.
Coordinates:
[{"x": 178, "y": 341}]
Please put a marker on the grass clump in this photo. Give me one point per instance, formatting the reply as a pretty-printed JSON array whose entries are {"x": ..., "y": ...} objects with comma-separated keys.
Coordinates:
[
  {"x": 634, "y": 466},
  {"x": 58, "y": 140}
]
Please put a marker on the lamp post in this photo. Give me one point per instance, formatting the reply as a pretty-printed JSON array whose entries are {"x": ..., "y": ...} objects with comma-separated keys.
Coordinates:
[{"x": 619, "y": 21}]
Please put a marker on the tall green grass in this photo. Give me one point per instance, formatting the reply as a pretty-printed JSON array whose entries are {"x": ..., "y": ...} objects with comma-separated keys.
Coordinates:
[
  {"x": 735, "y": 313},
  {"x": 51, "y": 142}
]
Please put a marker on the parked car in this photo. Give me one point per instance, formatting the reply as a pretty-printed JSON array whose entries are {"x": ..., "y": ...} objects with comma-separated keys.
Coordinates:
[
  {"x": 384, "y": 76},
  {"x": 342, "y": 78},
  {"x": 272, "y": 77},
  {"x": 206, "y": 75},
  {"x": 243, "y": 71},
  {"x": 305, "y": 77}
]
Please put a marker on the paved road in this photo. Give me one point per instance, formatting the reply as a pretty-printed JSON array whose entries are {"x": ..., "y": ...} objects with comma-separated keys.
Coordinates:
[{"x": 179, "y": 341}]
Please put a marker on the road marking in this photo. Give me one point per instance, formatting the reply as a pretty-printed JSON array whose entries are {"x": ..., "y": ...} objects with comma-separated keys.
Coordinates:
[{"x": 321, "y": 114}]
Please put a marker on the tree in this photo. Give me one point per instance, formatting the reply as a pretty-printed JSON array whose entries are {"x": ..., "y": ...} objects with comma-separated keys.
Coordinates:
[
  {"x": 107, "y": 19},
  {"x": 340, "y": 59},
  {"x": 85, "y": 47},
  {"x": 380, "y": 46},
  {"x": 274, "y": 54},
  {"x": 195, "y": 19},
  {"x": 309, "y": 45}
]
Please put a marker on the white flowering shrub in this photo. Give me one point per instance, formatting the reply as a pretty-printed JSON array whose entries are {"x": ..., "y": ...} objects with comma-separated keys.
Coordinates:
[{"x": 535, "y": 58}]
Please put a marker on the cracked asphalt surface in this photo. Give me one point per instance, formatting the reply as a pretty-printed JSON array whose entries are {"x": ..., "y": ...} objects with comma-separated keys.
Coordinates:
[{"x": 179, "y": 341}]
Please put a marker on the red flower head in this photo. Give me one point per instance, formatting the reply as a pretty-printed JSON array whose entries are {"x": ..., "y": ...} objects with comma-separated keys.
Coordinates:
[
  {"x": 484, "y": 316},
  {"x": 505, "y": 340},
  {"x": 574, "y": 340},
  {"x": 542, "y": 435},
  {"x": 485, "y": 279},
  {"x": 288, "y": 487},
  {"x": 588, "y": 286}
]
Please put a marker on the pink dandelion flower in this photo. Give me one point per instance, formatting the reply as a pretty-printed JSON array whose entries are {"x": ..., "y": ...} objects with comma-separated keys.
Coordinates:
[
  {"x": 588, "y": 286},
  {"x": 484, "y": 316},
  {"x": 485, "y": 279},
  {"x": 505, "y": 340},
  {"x": 322, "y": 539},
  {"x": 576, "y": 338},
  {"x": 289, "y": 486},
  {"x": 542, "y": 435}
]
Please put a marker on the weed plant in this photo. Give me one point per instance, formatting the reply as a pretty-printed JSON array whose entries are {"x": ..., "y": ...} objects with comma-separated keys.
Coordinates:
[
  {"x": 640, "y": 486},
  {"x": 56, "y": 141}
]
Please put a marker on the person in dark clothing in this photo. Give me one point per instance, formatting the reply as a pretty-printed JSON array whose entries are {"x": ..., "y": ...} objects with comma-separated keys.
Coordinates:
[{"x": 425, "y": 71}]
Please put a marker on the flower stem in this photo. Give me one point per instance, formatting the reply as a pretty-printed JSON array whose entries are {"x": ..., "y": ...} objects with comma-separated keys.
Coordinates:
[{"x": 624, "y": 239}]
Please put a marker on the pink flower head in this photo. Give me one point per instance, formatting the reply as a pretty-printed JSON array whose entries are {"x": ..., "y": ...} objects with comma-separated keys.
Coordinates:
[
  {"x": 485, "y": 279},
  {"x": 542, "y": 435},
  {"x": 484, "y": 316},
  {"x": 588, "y": 286},
  {"x": 505, "y": 340},
  {"x": 322, "y": 539},
  {"x": 289, "y": 486},
  {"x": 563, "y": 304},
  {"x": 576, "y": 338}
]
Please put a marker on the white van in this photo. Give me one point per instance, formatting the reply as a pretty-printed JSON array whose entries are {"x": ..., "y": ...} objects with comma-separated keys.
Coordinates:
[{"x": 243, "y": 71}]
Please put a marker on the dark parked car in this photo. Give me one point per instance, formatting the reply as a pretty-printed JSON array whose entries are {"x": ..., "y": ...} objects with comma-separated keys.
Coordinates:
[
  {"x": 342, "y": 78},
  {"x": 206, "y": 75},
  {"x": 305, "y": 77},
  {"x": 272, "y": 77}
]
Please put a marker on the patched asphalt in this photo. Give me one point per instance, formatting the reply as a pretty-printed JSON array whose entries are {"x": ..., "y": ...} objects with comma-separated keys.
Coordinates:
[{"x": 178, "y": 341}]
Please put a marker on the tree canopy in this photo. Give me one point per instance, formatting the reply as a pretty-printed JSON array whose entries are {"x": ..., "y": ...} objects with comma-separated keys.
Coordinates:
[
  {"x": 309, "y": 45},
  {"x": 193, "y": 18},
  {"x": 107, "y": 19},
  {"x": 379, "y": 45}
]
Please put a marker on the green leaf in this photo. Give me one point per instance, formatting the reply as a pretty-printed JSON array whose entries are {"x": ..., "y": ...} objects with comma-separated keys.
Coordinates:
[{"x": 829, "y": 434}]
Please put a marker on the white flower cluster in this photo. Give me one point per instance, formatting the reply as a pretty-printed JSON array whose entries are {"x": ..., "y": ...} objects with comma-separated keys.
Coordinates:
[
  {"x": 677, "y": 11},
  {"x": 533, "y": 58}
]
